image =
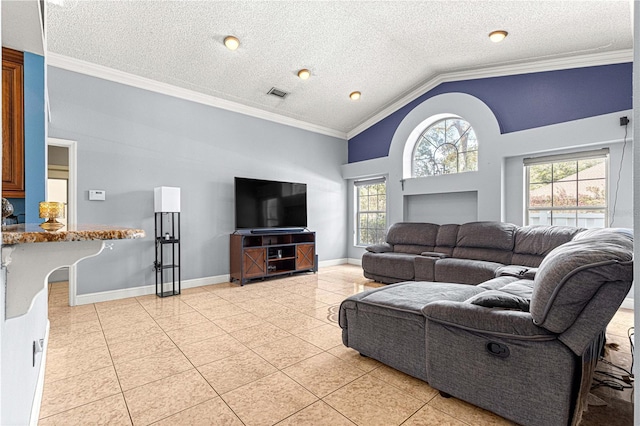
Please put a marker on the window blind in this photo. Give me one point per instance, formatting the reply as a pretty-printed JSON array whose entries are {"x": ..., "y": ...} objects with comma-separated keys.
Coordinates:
[
  {"x": 370, "y": 181},
  {"x": 584, "y": 155}
]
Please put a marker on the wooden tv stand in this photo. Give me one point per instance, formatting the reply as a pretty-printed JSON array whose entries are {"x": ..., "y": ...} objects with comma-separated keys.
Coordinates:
[{"x": 271, "y": 254}]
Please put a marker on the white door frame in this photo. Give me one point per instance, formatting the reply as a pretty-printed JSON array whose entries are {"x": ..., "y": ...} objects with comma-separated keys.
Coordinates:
[{"x": 72, "y": 202}]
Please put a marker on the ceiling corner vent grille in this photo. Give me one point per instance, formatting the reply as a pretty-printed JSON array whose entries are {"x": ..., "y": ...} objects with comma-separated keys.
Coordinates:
[{"x": 277, "y": 92}]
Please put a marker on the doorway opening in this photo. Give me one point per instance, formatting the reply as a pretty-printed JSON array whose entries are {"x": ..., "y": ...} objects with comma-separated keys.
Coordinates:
[{"x": 61, "y": 187}]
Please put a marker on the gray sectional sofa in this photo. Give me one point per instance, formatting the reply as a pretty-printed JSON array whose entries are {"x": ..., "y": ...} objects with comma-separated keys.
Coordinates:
[
  {"x": 523, "y": 342},
  {"x": 469, "y": 254}
]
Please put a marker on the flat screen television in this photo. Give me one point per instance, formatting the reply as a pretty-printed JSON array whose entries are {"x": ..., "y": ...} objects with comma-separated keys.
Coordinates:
[{"x": 267, "y": 204}]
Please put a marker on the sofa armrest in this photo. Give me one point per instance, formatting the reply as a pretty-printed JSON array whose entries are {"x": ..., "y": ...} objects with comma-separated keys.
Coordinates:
[
  {"x": 380, "y": 248},
  {"x": 434, "y": 254},
  {"x": 492, "y": 321},
  {"x": 524, "y": 272}
]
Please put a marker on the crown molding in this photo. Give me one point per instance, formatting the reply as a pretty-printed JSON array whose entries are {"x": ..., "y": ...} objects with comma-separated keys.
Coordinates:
[
  {"x": 106, "y": 73},
  {"x": 596, "y": 59}
]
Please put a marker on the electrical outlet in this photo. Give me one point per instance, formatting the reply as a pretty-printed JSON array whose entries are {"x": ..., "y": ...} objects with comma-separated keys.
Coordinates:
[{"x": 624, "y": 120}]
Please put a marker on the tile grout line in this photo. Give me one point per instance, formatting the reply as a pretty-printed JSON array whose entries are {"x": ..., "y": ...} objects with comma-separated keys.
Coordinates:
[
  {"x": 115, "y": 370},
  {"x": 306, "y": 312},
  {"x": 89, "y": 371},
  {"x": 199, "y": 373}
]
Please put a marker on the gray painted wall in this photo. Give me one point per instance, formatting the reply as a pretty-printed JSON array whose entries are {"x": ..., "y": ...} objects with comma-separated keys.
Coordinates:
[
  {"x": 455, "y": 207},
  {"x": 131, "y": 141}
]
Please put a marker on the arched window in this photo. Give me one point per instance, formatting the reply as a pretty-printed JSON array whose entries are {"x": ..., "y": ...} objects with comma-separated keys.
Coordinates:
[{"x": 447, "y": 146}]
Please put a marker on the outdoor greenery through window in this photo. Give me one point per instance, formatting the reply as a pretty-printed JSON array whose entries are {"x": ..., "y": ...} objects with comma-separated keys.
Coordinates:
[
  {"x": 371, "y": 218},
  {"x": 565, "y": 191},
  {"x": 447, "y": 146}
]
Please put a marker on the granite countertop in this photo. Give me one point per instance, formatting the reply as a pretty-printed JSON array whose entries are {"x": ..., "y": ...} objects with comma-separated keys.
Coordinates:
[{"x": 33, "y": 233}]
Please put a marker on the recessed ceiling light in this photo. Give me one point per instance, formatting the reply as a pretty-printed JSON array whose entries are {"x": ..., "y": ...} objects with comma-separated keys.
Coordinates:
[
  {"x": 497, "y": 36},
  {"x": 304, "y": 74},
  {"x": 231, "y": 42},
  {"x": 354, "y": 96}
]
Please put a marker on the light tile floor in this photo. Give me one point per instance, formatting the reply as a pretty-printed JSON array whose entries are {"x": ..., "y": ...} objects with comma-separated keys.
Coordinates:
[{"x": 269, "y": 352}]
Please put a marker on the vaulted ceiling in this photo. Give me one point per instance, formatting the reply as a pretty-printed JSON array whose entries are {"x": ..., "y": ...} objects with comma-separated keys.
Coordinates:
[{"x": 384, "y": 49}]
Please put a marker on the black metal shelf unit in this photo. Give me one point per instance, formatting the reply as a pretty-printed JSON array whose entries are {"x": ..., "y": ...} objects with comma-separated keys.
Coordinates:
[{"x": 167, "y": 263}]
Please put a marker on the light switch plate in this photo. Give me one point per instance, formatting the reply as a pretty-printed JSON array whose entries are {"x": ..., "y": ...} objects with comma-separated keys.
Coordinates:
[{"x": 97, "y": 195}]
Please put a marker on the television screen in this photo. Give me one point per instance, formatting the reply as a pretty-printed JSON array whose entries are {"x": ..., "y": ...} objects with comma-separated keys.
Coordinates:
[{"x": 270, "y": 204}]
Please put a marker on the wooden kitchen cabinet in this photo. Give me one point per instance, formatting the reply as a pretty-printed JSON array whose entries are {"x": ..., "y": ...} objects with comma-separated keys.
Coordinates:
[{"x": 13, "y": 185}]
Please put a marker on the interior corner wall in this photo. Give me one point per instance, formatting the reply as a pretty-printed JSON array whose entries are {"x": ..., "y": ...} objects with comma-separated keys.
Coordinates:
[
  {"x": 132, "y": 140},
  {"x": 34, "y": 135}
]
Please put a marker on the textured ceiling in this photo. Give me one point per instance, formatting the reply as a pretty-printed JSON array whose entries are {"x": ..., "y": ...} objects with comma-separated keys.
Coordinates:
[{"x": 384, "y": 49}]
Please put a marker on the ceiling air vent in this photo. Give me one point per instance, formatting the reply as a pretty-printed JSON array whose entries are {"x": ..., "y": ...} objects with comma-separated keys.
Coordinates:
[{"x": 277, "y": 92}]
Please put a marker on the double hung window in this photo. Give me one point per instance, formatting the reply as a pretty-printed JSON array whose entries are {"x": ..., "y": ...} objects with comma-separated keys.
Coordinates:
[
  {"x": 568, "y": 189},
  {"x": 371, "y": 215}
]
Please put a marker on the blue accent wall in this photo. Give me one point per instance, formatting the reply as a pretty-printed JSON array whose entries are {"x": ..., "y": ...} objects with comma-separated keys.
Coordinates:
[
  {"x": 18, "y": 209},
  {"x": 519, "y": 102},
  {"x": 34, "y": 135}
]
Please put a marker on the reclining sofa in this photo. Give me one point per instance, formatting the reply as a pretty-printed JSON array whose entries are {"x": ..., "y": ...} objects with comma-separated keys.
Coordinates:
[
  {"x": 468, "y": 254},
  {"x": 523, "y": 343}
]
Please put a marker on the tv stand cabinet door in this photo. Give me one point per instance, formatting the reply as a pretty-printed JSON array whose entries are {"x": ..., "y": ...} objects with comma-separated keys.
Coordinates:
[
  {"x": 305, "y": 257},
  {"x": 254, "y": 262}
]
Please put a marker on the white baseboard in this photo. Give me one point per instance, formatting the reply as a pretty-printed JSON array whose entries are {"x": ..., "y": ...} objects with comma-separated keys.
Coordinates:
[
  {"x": 627, "y": 303},
  {"x": 352, "y": 261},
  {"x": 332, "y": 262},
  {"x": 105, "y": 296},
  {"x": 37, "y": 399}
]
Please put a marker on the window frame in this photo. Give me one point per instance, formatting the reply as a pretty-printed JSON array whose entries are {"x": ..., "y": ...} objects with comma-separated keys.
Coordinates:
[
  {"x": 576, "y": 156},
  {"x": 357, "y": 212}
]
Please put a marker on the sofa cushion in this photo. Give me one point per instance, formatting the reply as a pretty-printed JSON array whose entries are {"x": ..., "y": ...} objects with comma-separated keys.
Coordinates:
[
  {"x": 413, "y": 296},
  {"x": 490, "y": 241},
  {"x": 494, "y": 235},
  {"x": 422, "y": 234},
  {"x": 588, "y": 234},
  {"x": 533, "y": 243},
  {"x": 570, "y": 276},
  {"x": 396, "y": 265},
  {"x": 465, "y": 271},
  {"x": 500, "y": 299},
  {"x": 520, "y": 288},
  {"x": 499, "y": 282},
  {"x": 447, "y": 235}
]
